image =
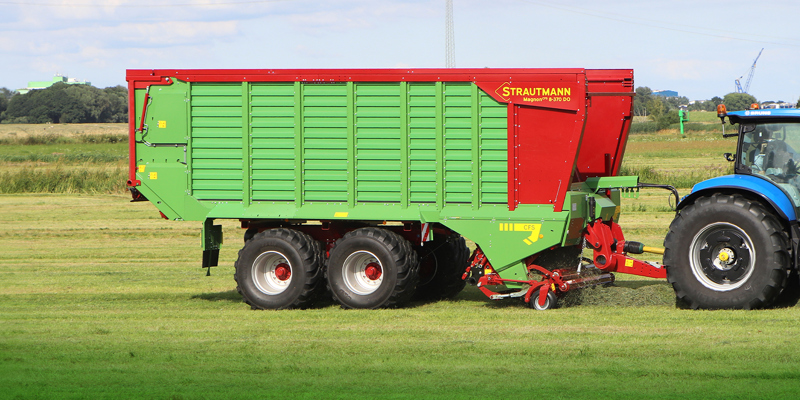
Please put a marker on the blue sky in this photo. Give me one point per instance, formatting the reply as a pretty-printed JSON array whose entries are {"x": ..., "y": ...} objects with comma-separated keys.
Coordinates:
[{"x": 695, "y": 47}]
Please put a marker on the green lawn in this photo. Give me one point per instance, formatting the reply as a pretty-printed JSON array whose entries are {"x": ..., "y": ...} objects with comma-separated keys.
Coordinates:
[{"x": 101, "y": 298}]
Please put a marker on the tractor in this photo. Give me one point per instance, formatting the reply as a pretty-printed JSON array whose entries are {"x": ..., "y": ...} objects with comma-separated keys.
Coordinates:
[{"x": 733, "y": 243}]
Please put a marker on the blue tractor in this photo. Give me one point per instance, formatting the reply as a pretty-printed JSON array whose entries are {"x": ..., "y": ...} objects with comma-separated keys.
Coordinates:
[{"x": 734, "y": 240}]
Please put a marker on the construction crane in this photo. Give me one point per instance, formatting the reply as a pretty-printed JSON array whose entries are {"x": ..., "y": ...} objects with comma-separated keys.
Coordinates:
[
  {"x": 749, "y": 76},
  {"x": 449, "y": 37}
]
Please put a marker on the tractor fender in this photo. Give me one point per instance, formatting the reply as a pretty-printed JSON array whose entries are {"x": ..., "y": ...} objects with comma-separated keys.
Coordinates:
[{"x": 772, "y": 195}]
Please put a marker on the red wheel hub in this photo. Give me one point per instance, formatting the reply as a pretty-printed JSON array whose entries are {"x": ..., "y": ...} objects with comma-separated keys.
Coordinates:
[
  {"x": 283, "y": 272},
  {"x": 373, "y": 271}
]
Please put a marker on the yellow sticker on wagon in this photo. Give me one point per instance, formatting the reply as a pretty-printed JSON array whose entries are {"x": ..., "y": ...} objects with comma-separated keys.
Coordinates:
[{"x": 532, "y": 228}]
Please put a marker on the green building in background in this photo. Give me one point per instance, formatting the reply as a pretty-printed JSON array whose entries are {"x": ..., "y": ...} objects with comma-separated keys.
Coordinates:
[{"x": 46, "y": 84}]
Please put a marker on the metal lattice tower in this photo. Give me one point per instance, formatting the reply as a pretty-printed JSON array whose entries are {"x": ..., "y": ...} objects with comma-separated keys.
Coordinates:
[{"x": 449, "y": 40}]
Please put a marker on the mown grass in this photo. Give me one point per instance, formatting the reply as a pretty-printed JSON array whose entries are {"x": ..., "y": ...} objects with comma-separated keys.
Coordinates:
[
  {"x": 101, "y": 298},
  {"x": 698, "y": 122},
  {"x": 669, "y": 158}
]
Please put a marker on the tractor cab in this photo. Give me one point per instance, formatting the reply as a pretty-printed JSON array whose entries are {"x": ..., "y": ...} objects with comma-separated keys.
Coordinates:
[{"x": 769, "y": 147}]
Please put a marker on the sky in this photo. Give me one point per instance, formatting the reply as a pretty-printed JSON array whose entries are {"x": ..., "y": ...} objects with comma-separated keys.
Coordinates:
[{"x": 697, "y": 48}]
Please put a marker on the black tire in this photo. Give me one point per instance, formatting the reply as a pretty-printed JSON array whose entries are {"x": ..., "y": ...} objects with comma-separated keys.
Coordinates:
[
  {"x": 442, "y": 264},
  {"x": 550, "y": 302},
  {"x": 372, "y": 268},
  {"x": 790, "y": 295},
  {"x": 726, "y": 252},
  {"x": 279, "y": 269}
]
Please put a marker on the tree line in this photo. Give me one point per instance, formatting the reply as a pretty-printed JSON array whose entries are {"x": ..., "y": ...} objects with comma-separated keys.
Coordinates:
[
  {"x": 63, "y": 103},
  {"x": 664, "y": 110}
]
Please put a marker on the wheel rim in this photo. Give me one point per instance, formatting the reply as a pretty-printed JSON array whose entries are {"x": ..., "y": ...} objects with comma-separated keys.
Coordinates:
[
  {"x": 722, "y": 256},
  {"x": 535, "y": 302},
  {"x": 362, "y": 272},
  {"x": 272, "y": 272}
]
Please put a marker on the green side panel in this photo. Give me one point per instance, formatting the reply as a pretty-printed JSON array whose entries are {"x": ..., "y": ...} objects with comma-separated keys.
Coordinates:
[
  {"x": 493, "y": 117},
  {"x": 324, "y": 157},
  {"x": 457, "y": 143},
  {"x": 378, "y": 131},
  {"x": 216, "y": 155},
  {"x": 161, "y": 163},
  {"x": 273, "y": 155},
  {"x": 422, "y": 143},
  {"x": 507, "y": 240}
]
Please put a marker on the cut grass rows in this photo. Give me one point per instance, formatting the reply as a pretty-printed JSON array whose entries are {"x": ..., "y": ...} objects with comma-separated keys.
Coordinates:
[
  {"x": 100, "y": 314},
  {"x": 101, "y": 298}
]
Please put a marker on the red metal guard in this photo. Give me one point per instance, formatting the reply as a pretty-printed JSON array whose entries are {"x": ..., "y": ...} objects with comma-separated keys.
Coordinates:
[{"x": 608, "y": 242}]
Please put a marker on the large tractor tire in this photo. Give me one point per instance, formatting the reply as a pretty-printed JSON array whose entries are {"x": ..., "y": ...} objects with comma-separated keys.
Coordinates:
[
  {"x": 279, "y": 269},
  {"x": 372, "y": 268},
  {"x": 726, "y": 252},
  {"x": 442, "y": 264},
  {"x": 790, "y": 295}
]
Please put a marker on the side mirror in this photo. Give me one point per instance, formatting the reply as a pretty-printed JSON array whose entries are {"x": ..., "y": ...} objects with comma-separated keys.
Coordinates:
[{"x": 730, "y": 157}]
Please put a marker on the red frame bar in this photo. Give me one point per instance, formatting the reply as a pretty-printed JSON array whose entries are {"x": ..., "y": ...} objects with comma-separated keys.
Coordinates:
[
  {"x": 132, "y": 181},
  {"x": 142, "y": 77}
]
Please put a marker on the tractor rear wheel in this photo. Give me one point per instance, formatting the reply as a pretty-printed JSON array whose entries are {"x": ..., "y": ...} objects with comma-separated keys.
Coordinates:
[
  {"x": 442, "y": 263},
  {"x": 372, "y": 268},
  {"x": 725, "y": 251},
  {"x": 279, "y": 269}
]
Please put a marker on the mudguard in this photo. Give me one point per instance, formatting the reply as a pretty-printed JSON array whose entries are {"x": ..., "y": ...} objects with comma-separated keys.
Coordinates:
[{"x": 768, "y": 191}]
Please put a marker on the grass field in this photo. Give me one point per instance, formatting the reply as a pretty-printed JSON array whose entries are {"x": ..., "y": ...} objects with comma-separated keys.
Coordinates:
[{"x": 100, "y": 298}]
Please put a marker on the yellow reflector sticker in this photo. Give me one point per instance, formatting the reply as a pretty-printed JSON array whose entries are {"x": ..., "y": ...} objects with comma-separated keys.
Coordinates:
[
  {"x": 628, "y": 263},
  {"x": 141, "y": 168},
  {"x": 162, "y": 124},
  {"x": 341, "y": 214},
  {"x": 154, "y": 175}
]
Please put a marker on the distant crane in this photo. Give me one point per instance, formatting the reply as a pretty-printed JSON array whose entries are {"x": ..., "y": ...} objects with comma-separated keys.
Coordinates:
[
  {"x": 449, "y": 37},
  {"x": 749, "y": 76}
]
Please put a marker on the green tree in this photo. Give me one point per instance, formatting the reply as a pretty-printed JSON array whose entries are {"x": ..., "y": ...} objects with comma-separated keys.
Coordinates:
[
  {"x": 118, "y": 104},
  {"x": 3, "y": 106},
  {"x": 655, "y": 108},
  {"x": 673, "y": 103},
  {"x": 667, "y": 119},
  {"x": 643, "y": 96},
  {"x": 62, "y": 103},
  {"x": 738, "y": 101},
  {"x": 5, "y": 96}
]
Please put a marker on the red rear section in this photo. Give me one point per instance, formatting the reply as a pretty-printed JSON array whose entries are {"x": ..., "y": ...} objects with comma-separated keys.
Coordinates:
[{"x": 609, "y": 116}]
